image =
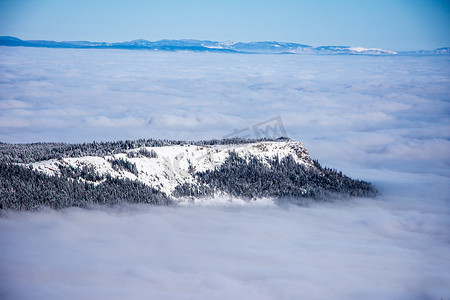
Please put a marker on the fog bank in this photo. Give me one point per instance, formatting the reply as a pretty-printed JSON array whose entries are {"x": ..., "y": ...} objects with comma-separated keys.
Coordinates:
[{"x": 381, "y": 119}]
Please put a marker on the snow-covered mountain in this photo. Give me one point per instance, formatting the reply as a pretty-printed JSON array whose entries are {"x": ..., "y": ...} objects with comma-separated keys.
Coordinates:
[
  {"x": 269, "y": 47},
  {"x": 353, "y": 50},
  {"x": 170, "y": 166},
  {"x": 162, "y": 172}
]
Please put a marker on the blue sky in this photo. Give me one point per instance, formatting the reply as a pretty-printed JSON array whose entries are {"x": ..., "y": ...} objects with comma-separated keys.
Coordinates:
[{"x": 389, "y": 24}]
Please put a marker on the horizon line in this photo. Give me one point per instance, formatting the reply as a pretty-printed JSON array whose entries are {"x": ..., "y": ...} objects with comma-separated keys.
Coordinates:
[{"x": 230, "y": 42}]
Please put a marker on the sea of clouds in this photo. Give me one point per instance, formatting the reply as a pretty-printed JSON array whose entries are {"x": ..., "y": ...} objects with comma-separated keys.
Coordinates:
[{"x": 385, "y": 119}]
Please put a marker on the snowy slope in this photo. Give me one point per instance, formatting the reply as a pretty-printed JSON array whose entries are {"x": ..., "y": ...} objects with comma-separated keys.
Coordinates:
[
  {"x": 370, "y": 50},
  {"x": 175, "y": 165}
]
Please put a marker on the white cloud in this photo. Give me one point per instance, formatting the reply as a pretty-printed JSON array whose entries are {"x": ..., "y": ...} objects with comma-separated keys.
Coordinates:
[
  {"x": 103, "y": 121},
  {"x": 13, "y": 104},
  {"x": 13, "y": 122},
  {"x": 388, "y": 248},
  {"x": 382, "y": 119}
]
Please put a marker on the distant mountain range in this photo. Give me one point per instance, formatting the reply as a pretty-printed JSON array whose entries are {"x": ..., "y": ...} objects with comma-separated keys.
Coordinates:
[{"x": 213, "y": 46}]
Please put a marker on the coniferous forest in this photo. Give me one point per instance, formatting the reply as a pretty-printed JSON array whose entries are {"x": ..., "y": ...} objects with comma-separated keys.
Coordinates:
[
  {"x": 28, "y": 153},
  {"x": 282, "y": 178},
  {"x": 24, "y": 189}
]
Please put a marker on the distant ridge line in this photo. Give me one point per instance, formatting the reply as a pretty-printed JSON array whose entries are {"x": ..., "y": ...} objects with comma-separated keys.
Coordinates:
[{"x": 264, "y": 47}]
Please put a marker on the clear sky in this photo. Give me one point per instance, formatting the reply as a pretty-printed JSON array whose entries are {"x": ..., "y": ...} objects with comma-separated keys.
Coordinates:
[{"x": 388, "y": 24}]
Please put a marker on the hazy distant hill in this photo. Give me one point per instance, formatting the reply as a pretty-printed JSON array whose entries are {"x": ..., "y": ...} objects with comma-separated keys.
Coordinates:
[{"x": 270, "y": 47}]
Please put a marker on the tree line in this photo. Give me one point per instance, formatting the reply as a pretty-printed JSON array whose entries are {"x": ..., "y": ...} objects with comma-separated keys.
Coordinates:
[{"x": 29, "y": 153}]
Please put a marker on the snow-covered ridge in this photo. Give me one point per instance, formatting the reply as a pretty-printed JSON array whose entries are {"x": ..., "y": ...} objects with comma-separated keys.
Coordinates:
[
  {"x": 371, "y": 50},
  {"x": 268, "y": 47},
  {"x": 175, "y": 165},
  {"x": 162, "y": 172}
]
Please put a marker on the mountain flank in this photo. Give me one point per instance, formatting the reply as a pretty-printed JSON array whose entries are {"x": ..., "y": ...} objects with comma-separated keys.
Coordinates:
[{"x": 162, "y": 172}]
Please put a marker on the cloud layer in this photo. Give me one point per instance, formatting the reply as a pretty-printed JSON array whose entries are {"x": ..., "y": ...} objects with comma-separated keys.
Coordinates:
[
  {"x": 368, "y": 249},
  {"x": 382, "y": 119}
]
